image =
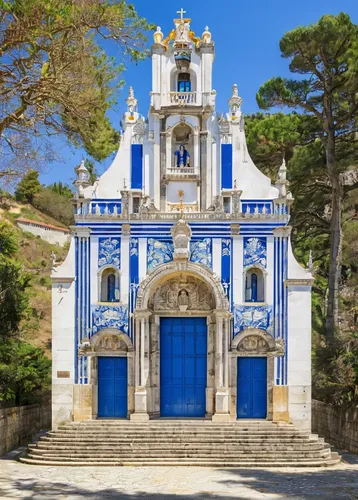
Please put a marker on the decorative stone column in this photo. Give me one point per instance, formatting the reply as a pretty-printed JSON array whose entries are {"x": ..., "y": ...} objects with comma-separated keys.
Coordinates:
[
  {"x": 141, "y": 365},
  {"x": 221, "y": 367}
]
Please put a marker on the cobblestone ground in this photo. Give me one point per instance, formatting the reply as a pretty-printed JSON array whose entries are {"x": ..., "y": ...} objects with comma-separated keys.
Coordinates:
[{"x": 19, "y": 481}]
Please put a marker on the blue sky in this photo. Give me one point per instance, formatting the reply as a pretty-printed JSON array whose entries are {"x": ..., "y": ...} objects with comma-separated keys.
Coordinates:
[{"x": 246, "y": 36}]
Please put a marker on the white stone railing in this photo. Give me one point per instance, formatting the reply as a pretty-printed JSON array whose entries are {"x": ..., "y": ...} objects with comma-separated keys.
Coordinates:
[{"x": 182, "y": 98}]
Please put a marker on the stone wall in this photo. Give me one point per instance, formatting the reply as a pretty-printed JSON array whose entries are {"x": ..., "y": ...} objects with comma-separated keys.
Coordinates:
[
  {"x": 18, "y": 425},
  {"x": 45, "y": 232},
  {"x": 338, "y": 426}
]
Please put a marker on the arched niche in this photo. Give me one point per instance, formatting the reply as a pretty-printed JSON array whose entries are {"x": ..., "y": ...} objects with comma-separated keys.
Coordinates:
[
  {"x": 174, "y": 77},
  {"x": 255, "y": 284},
  {"x": 108, "y": 284}
]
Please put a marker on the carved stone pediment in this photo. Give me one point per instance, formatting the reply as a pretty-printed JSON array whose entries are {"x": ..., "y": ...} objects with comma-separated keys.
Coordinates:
[
  {"x": 183, "y": 293},
  {"x": 110, "y": 342},
  {"x": 253, "y": 343},
  {"x": 181, "y": 234}
]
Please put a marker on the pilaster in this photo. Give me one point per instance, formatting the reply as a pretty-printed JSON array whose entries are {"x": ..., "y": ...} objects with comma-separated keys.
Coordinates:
[{"x": 125, "y": 239}]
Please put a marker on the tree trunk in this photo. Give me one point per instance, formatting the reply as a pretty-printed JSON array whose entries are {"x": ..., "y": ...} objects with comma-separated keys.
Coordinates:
[{"x": 335, "y": 257}]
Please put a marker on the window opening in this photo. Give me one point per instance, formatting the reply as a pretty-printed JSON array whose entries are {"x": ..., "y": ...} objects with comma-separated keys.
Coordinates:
[{"x": 184, "y": 83}]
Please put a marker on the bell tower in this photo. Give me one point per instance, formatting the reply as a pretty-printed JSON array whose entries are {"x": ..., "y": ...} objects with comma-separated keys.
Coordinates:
[{"x": 182, "y": 102}]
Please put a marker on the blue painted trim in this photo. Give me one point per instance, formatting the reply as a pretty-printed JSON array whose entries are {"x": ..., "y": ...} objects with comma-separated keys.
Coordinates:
[
  {"x": 226, "y": 166},
  {"x": 137, "y": 166}
]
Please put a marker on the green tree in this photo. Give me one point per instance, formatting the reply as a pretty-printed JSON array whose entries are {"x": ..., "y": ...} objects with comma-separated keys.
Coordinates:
[
  {"x": 61, "y": 189},
  {"x": 28, "y": 187},
  {"x": 56, "y": 77},
  {"x": 8, "y": 240},
  {"x": 58, "y": 206},
  {"x": 24, "y": 373},
  {"x": 326, "y": 53}
]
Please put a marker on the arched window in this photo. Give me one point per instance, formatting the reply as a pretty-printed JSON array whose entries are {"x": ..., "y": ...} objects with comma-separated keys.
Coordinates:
[
  {"x": 109, "y": 285},
  {"x": 254, "y": 286},
  {"x": 184, "y": 83}
]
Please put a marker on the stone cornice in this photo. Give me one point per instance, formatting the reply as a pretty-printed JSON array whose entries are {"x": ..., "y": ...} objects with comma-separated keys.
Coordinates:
[
  {"x": 81, "y": 231},
  {"x": 284, "y": 231},
  {"x": 59, "y": 279},
  {"x": 299, "y": 282}
]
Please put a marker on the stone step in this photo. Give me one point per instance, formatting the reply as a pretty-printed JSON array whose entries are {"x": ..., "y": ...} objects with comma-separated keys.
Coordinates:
[
  {"x": 104, "y": 434},
  {"x": 265, "y": 455},
  {"x": 180, "y": 446},
  {"x": 188, "y": 439},
  {"x": 181, "y": 463},
  {"x": 185, "y": 462},
  {"x": 242, "y": 444}
]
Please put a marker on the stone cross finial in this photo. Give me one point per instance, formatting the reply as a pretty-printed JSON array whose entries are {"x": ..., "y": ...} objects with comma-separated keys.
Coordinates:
[
  {"x": 181, "y": 12},
  {"x": 131, "y": 100}
]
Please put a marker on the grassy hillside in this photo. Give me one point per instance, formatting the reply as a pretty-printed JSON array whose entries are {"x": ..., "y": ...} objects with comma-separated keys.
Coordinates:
[{"x": 34, "y": 254}]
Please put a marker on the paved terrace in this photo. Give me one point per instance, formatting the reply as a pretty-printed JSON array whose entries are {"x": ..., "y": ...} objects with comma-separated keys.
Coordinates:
[{"x": 19, "y": 481}]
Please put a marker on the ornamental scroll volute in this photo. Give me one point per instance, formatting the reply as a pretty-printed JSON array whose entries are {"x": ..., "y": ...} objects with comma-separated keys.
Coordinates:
[
  {"x": 181, "y": 234},
  {"x": 183, "y": 293}
]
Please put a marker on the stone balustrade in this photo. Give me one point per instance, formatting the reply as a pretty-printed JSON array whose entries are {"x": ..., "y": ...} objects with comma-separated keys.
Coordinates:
[{"x": 182, "y": 98}]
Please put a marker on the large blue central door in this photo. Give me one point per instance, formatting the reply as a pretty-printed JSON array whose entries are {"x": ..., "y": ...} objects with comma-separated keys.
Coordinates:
[
  {"x": 112, "y": 387},
  {"x": 183, "y": 352},
  {"x": 252, "y": 387}
]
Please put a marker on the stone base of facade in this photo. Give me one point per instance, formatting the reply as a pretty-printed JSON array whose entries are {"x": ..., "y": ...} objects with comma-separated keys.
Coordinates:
[
  {"x": 280, "y": 403},
  {"x": 139, "y": 417},
  {"x": 82, "y": 402}
]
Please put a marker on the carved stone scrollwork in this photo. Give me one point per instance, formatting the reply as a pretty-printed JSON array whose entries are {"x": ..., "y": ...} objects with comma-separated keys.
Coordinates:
[
  {"x": 253, "y": 343},
  {"x": 138, "y": 132},
  {"x": 181, "y": 234},
  {"x": 183, "y": 293},
  {"x": 110, "y": 342}
]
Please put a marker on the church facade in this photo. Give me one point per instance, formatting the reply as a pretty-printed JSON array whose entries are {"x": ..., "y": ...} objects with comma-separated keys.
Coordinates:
[{"x": 180, "y": 295}]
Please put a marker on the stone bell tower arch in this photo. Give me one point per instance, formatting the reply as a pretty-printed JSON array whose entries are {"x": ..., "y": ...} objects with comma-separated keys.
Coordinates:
[{"x": 173, "y": 289}]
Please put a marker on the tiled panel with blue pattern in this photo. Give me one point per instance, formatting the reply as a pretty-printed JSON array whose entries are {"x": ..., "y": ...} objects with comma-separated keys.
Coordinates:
[{"x": 255, "y": 251}]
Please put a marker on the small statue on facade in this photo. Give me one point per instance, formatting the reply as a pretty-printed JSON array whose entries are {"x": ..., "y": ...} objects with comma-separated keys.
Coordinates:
[
  {"x": 97, "y": 209},
  {"x": 53, "y": 260},
  {"x": 183, "y": 300},
  {"x": 182, "y": 157}
]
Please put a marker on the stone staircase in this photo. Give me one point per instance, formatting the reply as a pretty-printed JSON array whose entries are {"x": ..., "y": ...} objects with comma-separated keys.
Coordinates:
[{"x": 246, "y": 443}]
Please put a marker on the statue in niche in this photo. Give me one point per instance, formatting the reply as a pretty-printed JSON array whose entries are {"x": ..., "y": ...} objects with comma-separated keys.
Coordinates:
[
  {"x": 182, "y": 157},
  {"x": 183, "y": 300}
]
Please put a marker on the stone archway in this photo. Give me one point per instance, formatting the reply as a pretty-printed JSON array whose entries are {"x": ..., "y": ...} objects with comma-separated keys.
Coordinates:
[{"x": 181, "y": 288}]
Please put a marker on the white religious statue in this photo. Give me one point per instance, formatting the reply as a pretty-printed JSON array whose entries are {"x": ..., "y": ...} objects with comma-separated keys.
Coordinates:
[
  {"x": 182, "y": 157},
  {"x": 53, "y": 259},
  {"x": 97, "y": 209}
]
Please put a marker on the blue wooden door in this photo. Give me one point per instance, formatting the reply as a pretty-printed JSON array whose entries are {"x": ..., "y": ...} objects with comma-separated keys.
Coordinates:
[
  {"x": 252, "y": 388},
  {"x": 112, "y": 387},
  {"x": 183, "y": 352}
]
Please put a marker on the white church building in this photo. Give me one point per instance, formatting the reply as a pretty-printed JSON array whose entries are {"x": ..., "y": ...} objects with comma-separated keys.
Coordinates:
[{"x": 180, "y": 296}]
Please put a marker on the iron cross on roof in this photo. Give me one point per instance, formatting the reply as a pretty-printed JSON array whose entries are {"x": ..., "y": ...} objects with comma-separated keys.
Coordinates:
[{"x": 181, "y": 12}]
